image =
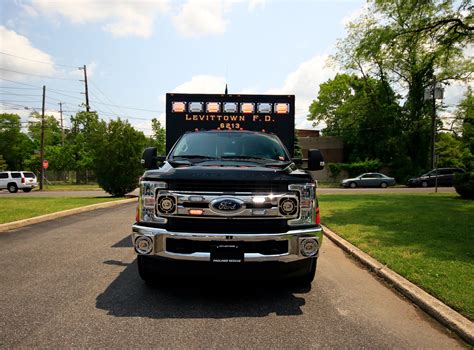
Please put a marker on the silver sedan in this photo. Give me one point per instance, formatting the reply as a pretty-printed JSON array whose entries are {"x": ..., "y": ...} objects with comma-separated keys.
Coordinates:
[{"x": 369, "y": 180}]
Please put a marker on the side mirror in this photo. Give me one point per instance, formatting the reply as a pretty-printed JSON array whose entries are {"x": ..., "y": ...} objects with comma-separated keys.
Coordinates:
[
  {"x": 315, "y": 159},
  {"x": 150, "y": 159}
]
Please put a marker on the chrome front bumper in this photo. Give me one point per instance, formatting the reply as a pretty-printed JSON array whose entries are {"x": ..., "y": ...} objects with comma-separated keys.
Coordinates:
[{"x": 294, "y": 238}]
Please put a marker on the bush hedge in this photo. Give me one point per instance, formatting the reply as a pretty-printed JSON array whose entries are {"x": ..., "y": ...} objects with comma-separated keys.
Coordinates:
[
  {"x": 354, "y": 169},
  {"x": 464, "y": 185}
]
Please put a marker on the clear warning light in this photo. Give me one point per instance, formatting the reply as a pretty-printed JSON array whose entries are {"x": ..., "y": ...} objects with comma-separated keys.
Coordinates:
[
  {"x": 230, "y": 107},
  {"x": 264, "y": 107},
  {"x": 195, "y": 107},
  {"x": 179, "y": 107},
  {"x": 282, "y": 108}
]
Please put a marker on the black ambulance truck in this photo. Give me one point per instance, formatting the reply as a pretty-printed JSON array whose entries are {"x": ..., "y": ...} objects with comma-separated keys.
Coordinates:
[{"x": 228, "y": 196}]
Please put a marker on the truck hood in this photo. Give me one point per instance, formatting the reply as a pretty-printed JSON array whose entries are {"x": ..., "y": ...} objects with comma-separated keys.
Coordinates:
[{"x": 228, "y": 173}]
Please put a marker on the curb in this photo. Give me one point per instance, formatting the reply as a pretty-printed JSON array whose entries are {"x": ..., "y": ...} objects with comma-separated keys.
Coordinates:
[
  {"x": 434, "y": 307},
  {"x": 47, "y": 217}
]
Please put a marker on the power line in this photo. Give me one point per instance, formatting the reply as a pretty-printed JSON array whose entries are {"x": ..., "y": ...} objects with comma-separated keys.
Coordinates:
[
  {"x": 32, "y": 60},
  {"x": 17, "y": 82},
  {"x": 17, "y": 87},
  {"x": 13, "y": 94},
  {"x": 134, "y": 108},
  {"x": 36, "y": 75}
]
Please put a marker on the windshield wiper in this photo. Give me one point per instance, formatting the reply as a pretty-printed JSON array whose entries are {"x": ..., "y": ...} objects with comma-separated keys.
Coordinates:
[
  {"x": 245, "y": 157},
  {"x": 195, "y": 156}
]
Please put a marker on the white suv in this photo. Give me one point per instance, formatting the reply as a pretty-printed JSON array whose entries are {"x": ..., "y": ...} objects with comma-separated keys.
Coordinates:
[{"x": 14, "y": 180}]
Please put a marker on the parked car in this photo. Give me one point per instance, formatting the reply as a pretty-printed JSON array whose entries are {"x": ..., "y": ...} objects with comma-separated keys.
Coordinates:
[
  {"x": 445, "y": 177},
  {"x": 15, "y": 180},
  {"x": 369, "y": 180}
]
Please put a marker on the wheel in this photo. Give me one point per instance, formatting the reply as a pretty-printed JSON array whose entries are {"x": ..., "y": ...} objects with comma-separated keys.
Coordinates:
[
  {"x": 12, "y": 188},
  {"x": 424, "y": 184},
  {"x": 145, "y": 269},
  {"x": 352, "y": 185},
  {"x": 383, "y": 185},
  {"x": 26, "y": 190},
  {"x": 308, "y": 277}
]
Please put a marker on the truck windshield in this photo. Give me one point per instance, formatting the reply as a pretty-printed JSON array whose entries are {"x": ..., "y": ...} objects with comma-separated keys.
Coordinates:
[{"x": 229, "y": 145}]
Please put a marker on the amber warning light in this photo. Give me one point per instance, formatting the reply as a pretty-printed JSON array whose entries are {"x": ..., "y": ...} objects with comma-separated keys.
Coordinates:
[
  {"x": 213, "y": 107},
  {"x": 179, "y": 107},
  {"x": 282, "y": 108},
  {"x": 247, "y": 108}
]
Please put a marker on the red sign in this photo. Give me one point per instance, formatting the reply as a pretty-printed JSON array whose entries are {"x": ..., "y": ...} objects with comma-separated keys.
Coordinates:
[{"x": 45, "y": 164}]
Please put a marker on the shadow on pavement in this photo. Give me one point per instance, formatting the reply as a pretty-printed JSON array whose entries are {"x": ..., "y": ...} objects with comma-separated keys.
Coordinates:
[
  {"x": 129, "y": 296},
  {"x": 126, "y": 242}
]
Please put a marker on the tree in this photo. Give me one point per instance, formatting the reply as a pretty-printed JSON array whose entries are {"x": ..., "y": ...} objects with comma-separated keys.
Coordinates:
[
  {"x": 364, "y": 112},
  {"x": 16, "y": 147},
  {"x": 159, "y": 137},
  {"x": 465, "y": 118},
  {"x": 450, "y": 150},
  {"x": 52, "y": 130},
  {"x": 406, "y": 43},
  {"x": 3, "y": 164},
  {"x": 84, "y": 137},
  {"x": 117, "y": 158}
]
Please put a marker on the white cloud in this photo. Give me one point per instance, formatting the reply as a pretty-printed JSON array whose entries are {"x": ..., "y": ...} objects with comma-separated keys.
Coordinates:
[
  {"x": 206, "y": 84},
  {"x": 354, "y": 15},
  {"x": 121, "y": 18},
  {"x": 304, "y": 84},
  {"x": 19, "y": 45},
  {"x": 79, "y": 73},
  {"x": 201, "y": 17}
]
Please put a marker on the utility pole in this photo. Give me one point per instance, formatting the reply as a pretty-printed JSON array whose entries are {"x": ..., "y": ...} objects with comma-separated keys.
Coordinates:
[
  {"x": 84, "y": 68},
  {"x": 62, "y": 127},
  {"x": 433, "y": 123},
  {"x": 42, "y": 140}
]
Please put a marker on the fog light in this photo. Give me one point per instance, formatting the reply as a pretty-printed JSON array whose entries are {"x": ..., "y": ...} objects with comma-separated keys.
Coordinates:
[
  {"x": 309, "y": 247},
  {"x": 143, "y": 245}
]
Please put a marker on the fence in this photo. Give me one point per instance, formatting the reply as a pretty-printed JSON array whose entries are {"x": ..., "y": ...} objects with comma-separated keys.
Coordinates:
[{"x": 76, "y": 177}]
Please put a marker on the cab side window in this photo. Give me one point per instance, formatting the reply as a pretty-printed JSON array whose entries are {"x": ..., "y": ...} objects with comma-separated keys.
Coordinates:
[{"x": 3, "y": 175}]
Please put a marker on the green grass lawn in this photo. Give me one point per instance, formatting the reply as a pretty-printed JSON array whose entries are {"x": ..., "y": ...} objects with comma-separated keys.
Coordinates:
[
  {"x": 72, "y": 187},
  {"x": 427, "y": 238},
  {"x": 13, "y": 209}
]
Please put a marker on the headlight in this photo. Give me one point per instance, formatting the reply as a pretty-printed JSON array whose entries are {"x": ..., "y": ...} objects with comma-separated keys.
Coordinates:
[
  {"x": 307, "y": 194},
  {"x": 147, "y": 201}
]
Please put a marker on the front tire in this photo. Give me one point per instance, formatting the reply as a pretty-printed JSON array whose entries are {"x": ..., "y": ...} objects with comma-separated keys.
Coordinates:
[
  {"x": 424, "y": 184},
  {"x": 353, "y": 185},
  {"x": 145, "y": 269},
  {"x": 384, "y": 185},
  {"x": 12, "y": 188},
  {"x": 306, "y": 279}
]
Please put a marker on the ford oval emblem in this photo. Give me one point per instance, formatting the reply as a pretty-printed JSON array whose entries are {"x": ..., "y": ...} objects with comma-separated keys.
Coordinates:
[{"x": 227, "y": 205}]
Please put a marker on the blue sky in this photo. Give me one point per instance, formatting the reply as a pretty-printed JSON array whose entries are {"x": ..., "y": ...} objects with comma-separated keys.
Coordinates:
[{"x": 136, "y": 51}]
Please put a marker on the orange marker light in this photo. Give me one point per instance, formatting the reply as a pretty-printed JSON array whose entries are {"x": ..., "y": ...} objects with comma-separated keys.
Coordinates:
[
  {"x": 281, "y": 108},
  {"x": 247, "y": 108},
  {"x": 179, "y": 107},
  {"x": 196, "y": 211},
  {"x": 213, "y": 107}
]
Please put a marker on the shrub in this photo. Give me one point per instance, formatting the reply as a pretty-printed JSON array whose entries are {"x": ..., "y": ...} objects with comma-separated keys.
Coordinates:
[
  {"x": 464, "y": 185},
  {"x": 117, "y": 163},
  {"x": 354, "y": 169}
]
